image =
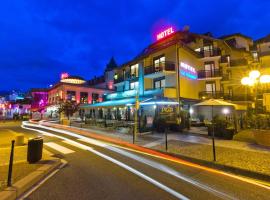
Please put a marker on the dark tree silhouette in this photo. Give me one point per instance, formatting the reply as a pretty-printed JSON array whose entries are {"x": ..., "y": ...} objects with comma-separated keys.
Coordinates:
[{"x": 68, "y": 108}]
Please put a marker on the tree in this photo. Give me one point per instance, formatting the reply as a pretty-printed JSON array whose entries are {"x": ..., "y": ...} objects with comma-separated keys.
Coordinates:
[{"x": 68, "y": 108}]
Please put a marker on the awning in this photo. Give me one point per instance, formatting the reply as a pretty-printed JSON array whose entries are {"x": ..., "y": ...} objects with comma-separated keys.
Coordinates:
[{"x": 112, "y": 103}]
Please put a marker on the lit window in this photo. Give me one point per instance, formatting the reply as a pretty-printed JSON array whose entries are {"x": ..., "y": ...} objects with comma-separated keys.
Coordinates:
[
  {"x": 134, "y": 85},
  {"x": 134, "y": 70},
  {"x": 159, "y": 84},
  {"x": 159, "y": 63}
]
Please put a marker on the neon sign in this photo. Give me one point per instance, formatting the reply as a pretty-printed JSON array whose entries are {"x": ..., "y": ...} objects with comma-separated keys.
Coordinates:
[
  {"x": 188, "y": 71},
  {"x": 64, "y": 75},
  {"x": 165, "y": 33}
]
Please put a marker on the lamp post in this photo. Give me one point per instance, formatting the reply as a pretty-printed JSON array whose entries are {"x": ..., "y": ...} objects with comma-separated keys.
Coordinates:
[{"x": 253, "y": 80}]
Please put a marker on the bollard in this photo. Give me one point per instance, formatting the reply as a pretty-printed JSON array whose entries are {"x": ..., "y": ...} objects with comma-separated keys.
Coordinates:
[
  {"x": 10, "y": 164},
  {"x": 166, "y": 138},
  {"x": 213, "y": 144}
]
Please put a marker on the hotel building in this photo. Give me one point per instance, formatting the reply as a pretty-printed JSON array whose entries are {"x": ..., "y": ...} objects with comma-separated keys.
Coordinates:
[{"x": 186, "y": 67}]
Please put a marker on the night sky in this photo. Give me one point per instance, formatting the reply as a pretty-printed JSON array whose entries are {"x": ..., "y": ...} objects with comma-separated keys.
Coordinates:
[{"x": 40, "y": 39}]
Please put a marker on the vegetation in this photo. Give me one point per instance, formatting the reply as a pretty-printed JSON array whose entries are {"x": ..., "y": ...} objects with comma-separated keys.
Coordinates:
[{"x": 68, "y": 108}]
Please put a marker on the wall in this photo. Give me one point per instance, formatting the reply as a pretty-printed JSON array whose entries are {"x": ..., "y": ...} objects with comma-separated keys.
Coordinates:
[{"x": 190, "y": 88}]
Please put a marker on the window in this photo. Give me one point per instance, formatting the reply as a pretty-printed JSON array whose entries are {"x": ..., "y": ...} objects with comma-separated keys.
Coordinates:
[
  {"x": 210, "y": 87},
  {"x": 158, "y": 84},
  {"x": 124, "y": 74},
  {"x": 208, "y": 50},
  {"x": 95, "y": 97},
  {"x": 255, "y": 56},
  {"x": 83, "y": 97},
  {"x": 134, "y": 85},
  {"x": 134, "y": 70},
  {"x": 210, "y": 69},
  {"x": 159, "y": 63},
  {"x": 71, "y": 95}
]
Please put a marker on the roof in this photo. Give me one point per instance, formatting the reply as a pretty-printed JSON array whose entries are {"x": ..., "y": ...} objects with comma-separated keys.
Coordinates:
[
  {"x": 235, "y": 34},
  {"x": 263, "y": 39}
]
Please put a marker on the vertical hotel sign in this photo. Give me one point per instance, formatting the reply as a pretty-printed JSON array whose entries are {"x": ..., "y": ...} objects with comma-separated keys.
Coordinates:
[
  {"x": 165, "y": 33},
  {"x": 188, "y": 71}
]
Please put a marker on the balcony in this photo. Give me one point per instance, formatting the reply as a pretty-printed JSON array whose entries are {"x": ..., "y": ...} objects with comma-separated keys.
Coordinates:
[
  {"x": 209, "y": 74},
  {"x": 161, "y": 68},
  {"x": 210, "y": 53},
  {"x": 118, "y": 80},
  {"x": 238, "y": 62},
  {"x": 225, "y": 96}
]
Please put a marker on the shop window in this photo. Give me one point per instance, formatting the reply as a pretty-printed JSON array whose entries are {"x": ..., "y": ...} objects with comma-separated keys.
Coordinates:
[
  {"x": 71, "y": 95},
  {"x": 83, "y": 97},
  {"x": 95, "y": 97}
]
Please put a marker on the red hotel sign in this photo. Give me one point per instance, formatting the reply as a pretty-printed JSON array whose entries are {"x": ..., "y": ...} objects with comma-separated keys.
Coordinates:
[{"x": 165, "y": 33}]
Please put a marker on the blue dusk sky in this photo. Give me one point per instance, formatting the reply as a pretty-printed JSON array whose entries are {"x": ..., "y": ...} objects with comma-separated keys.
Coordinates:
[{"x": 39, "y": 39}]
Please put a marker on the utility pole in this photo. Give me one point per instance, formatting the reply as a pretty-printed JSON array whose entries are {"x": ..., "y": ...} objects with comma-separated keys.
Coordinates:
[
  {"x": 178, "y": 84},
  {"x": 137, "y": 106}
]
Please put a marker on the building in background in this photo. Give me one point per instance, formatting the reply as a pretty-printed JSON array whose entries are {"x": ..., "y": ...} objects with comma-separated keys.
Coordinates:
[
  {"x": 74, "y": 89},
  {"x": 39, "y": 99}
]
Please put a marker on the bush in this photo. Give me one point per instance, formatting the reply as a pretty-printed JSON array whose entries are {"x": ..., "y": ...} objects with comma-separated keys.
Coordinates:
[{"x": 222, "y": 128}]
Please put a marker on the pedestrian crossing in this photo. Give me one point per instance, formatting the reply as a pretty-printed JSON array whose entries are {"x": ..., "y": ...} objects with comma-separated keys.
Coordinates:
[{"x": 59, "y": 148}]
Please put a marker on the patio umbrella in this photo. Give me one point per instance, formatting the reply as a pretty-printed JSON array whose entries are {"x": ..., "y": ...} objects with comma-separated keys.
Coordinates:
[{"x": 213, "y": 103}]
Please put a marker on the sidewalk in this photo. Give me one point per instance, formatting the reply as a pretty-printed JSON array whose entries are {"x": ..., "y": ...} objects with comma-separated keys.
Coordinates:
[
  {"x": 233, "y": 154},
  {"x": 24, "y": 175}
]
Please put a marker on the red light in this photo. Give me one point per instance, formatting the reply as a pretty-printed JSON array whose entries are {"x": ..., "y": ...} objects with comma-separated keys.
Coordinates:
[
  {"x": 165, "y": 33},
  {"x": 64, "y": 75},
  {"x": 110, "y": 85}
]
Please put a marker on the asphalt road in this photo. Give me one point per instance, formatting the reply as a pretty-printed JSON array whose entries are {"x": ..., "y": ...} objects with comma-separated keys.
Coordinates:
[{"x": 96, "y": 170}]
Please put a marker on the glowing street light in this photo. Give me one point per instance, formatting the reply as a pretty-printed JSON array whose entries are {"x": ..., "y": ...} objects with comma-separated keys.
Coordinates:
[
  {"x": 265, "y": 79},
  {"x": 225, "y": 111},
  {"x": 247, "y": 81},
  {"x": 254, "y": 74}
]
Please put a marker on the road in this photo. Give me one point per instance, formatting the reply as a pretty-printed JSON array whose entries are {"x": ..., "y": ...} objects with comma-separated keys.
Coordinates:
[{"x": 98, "y": 170}]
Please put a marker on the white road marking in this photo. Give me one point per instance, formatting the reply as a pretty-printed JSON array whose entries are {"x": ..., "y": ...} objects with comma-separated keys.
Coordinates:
[
  {"x": 153, "y": 164},
  {"x": 78, "y": 145},
  {"x": 132, "y": 170},
  {"x": 59, "y": 148},
  {"x": 145, "y": 177}
]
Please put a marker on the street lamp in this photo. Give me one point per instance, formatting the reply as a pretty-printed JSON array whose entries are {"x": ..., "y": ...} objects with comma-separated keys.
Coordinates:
[{"x": 254, "y": 78}]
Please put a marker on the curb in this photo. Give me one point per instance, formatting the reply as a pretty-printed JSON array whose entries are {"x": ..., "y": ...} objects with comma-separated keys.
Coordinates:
[
  {"x": 215, "y": 166},
  {"x": 21, "y": 186}
]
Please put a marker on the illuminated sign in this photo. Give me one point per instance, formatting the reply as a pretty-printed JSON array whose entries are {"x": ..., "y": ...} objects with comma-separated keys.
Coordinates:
[
  {"x": 188, "y": 71},
  {"x": 167, "y": 109},
  {"x": 64, "y": 75},
  {"x": 165, "y": 33}
]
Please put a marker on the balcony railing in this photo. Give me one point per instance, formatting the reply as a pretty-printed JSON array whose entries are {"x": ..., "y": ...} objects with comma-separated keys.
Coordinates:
[
  {"x": 162, "y": 66},
  {"x": 119, "y": 79},
  {"x": 238, "y": 62},
  {"x": 209, "y": 73},
  {"x": 225, "y": 96},
  {"x": 210, "y": 53}
]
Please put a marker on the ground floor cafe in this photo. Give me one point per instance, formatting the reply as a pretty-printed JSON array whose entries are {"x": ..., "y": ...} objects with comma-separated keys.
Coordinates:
[
  {"x": 121, "y": 113},
  {"x": 154, "y": 113}
]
